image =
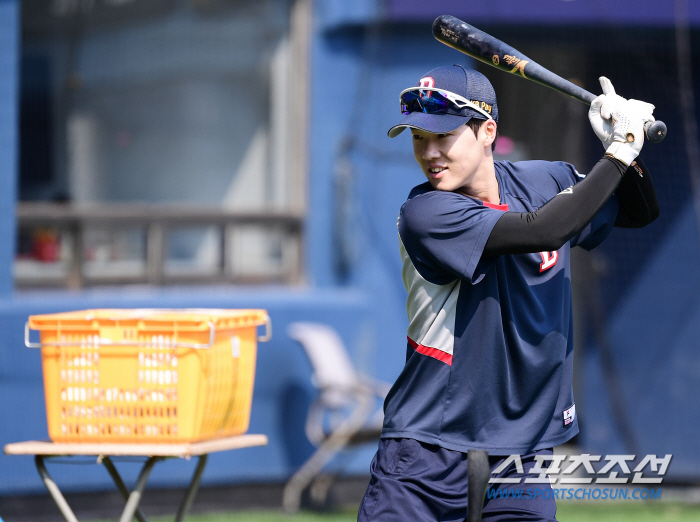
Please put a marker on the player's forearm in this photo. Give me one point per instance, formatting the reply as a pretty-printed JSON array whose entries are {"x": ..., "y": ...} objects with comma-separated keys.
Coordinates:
[
  {"x": 560, "y": 219},
  {"x": 638, "y": 204}
]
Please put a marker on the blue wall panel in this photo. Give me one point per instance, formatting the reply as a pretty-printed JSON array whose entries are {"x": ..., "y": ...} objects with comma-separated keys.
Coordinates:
[{"x": 9, "y": 104}]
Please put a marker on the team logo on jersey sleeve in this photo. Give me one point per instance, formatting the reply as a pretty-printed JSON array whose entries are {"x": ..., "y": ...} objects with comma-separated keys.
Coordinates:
[{"x": 549, "y": 259}]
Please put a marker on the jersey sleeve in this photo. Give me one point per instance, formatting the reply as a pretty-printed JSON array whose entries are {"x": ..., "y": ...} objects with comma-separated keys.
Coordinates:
[
  {"x": 444, "y": 234},
  {"x": 565, "y": 174}
]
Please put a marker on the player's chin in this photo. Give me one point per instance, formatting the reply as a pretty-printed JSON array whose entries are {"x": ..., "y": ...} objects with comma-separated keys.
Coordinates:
[{"x": 441, "y": 184}]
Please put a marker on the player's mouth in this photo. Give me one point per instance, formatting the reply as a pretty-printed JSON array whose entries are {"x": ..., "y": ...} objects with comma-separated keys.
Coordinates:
[{"x": 436, "y": 172}]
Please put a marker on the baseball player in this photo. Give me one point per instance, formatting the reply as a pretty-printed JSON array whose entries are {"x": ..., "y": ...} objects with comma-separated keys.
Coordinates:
[{"x": 485, "y": 247}]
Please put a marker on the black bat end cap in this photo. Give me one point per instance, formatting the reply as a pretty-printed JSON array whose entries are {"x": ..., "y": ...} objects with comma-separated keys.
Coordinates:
[
  {"x": 446, "y": 21},
  {"x": 656, "y": 132}
]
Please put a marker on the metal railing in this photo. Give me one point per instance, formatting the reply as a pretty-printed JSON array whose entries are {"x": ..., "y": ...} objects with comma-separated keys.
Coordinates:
[{"x": 72, "y": 222}]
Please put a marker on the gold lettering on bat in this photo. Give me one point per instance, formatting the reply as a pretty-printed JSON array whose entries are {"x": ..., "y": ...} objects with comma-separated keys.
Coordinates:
[
  {"x": 521, "y": 67},
  {"x": 449, "y": 34},
  {"x": 517, "y": 63},
  {"x": 495, "y": 59}
]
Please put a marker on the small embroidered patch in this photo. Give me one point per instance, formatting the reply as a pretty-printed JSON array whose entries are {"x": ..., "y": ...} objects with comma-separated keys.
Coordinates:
[{"x": 569, "y": 414}]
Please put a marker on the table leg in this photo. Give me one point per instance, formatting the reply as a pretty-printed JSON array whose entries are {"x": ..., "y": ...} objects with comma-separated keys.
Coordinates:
[
  {"x": 66, "y": 511},
  {"x": 135, "y": 496},
  {"x": 192, "y": 489},
  {"x": 120, "y": 485}
]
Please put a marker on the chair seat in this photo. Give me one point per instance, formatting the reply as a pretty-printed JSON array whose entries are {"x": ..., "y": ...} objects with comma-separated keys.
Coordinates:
[{"x": 342, "y": 391}]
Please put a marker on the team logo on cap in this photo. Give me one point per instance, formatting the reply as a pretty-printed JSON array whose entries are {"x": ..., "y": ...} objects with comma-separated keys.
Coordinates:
[{"x": 429, "y": 83}]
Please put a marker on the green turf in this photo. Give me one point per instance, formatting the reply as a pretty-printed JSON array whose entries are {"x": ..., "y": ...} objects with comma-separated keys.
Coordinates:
[
  {"x": 566, "y": 512},
  {"x": 268, "y": 516},
  {"x": 261, "y": 516},
  {"x": 633, "y": 511}
]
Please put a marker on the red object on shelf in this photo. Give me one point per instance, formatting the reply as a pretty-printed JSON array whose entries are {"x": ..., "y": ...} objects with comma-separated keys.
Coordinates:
[{"x": 46, "y": 246}]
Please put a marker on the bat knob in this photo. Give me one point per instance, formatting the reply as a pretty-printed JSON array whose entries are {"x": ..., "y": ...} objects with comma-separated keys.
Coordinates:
[{"x": 655, "y": 131}]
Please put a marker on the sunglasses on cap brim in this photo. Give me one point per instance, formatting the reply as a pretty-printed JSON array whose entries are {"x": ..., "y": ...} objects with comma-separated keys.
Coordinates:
[{"x": 434, "y": 101}]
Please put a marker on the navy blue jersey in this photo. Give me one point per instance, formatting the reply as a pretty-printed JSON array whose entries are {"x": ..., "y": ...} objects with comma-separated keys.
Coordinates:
[{"x": 490, "y": 340}]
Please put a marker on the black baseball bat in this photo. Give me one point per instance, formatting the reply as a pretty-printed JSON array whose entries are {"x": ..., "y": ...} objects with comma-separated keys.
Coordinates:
[{"x": 484, "y": 47}]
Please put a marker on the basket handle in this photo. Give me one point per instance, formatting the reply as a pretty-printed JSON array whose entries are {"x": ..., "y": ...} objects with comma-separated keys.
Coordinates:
[
  {"x": 107, "y": 342},
  {"x": 27, "y": 342},
  {"x": 268, "y": 331}
]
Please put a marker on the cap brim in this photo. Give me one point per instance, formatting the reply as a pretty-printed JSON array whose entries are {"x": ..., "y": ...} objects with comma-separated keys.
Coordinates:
[{"x": 434, "y": 123}]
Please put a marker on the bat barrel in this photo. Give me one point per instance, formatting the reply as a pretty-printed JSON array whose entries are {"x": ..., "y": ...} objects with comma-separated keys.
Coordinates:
[{"x": 485, "y": 48}]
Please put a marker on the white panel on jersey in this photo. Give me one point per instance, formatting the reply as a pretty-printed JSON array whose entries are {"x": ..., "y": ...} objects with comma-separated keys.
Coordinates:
[{"x": 431, "y": 309}]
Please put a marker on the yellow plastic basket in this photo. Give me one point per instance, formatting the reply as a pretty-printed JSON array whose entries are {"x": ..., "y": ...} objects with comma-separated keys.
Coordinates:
[{"x": 148, "y": 375}]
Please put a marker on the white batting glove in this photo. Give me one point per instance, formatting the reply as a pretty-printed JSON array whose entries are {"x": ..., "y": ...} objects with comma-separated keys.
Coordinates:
[
  {"x": 612, "y": 99},
  {"x": 601, "y": 110},
  {"x": 602, "y": 127},
  {"x": 626, "y": 119}
]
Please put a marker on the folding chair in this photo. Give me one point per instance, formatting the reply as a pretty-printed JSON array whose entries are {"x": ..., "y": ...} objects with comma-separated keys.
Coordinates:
[{"x": 345, "y": 413}]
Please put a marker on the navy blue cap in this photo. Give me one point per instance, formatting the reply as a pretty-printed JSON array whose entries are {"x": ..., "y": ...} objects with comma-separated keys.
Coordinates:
[{"x": 467, "y": 83}]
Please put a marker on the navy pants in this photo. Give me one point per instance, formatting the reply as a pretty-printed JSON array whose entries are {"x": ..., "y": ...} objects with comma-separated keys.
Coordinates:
[{"x": 414, "y": 481}]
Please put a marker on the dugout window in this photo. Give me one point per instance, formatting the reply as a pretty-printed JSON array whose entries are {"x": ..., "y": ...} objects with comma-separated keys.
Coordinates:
[{"x": 161, "y": 103}]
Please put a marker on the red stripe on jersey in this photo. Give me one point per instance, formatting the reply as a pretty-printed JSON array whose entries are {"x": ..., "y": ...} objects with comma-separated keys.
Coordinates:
[
  {"x": 431, "y": 352},
  {"x": 497, "y": 207}
]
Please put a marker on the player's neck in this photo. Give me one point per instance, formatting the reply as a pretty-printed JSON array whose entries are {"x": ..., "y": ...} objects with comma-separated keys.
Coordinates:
[{"x": 484, "y": 184}]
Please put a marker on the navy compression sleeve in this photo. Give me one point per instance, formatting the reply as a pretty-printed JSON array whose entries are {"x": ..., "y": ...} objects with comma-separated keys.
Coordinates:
[
  {"x": 560, "y": 219},
  {"x": 637, "y": 197}
]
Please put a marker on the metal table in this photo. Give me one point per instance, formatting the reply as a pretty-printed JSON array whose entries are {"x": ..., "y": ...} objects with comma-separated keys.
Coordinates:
[{"x": 153, "y": 452}]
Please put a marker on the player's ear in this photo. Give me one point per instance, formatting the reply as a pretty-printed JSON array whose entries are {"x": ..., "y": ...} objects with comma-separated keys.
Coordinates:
[{"x": 489, "y": 129}]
